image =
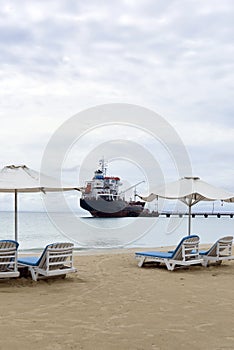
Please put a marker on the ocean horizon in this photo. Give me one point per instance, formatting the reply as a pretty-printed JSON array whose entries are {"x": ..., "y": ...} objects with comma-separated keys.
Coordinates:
[{"x": 37, "y": 229}]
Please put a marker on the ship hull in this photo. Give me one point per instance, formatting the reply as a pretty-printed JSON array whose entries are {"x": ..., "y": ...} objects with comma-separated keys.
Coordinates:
[{"x": 112, "y": 209}]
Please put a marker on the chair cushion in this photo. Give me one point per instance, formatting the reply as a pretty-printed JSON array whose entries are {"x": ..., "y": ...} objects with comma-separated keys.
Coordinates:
[
  {"x": 30, "y": 260},
  {"x": 156, "y": 254},
  {"x": 203, "y": 252}
]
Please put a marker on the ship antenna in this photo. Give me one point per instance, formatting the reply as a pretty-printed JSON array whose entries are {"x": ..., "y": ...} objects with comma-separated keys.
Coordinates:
[{"x": 103, "y": 166}]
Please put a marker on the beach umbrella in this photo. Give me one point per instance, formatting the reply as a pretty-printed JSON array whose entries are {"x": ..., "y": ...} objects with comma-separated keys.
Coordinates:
[
  {"x": 190, "y": 190},
  {"x": 16, "y": 179}
]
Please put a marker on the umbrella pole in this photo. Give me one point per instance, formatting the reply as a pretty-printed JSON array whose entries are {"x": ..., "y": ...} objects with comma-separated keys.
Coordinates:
[
  {"x": 16, "y": 216},
  {"x": 189, "y": 220}
]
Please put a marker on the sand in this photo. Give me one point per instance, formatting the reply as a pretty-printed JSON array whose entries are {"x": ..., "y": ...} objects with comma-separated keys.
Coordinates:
[{"x": 110, "y": 303}]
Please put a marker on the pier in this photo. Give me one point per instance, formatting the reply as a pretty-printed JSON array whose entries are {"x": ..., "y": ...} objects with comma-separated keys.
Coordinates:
[{"x": 207, "y": 214}]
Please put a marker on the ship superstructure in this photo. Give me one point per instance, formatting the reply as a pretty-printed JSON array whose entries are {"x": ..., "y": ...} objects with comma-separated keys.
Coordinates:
[{"x": 102, "y": 186}]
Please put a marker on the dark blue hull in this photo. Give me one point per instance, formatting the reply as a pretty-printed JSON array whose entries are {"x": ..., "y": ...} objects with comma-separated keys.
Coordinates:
[{"x": 112, "y": 209}]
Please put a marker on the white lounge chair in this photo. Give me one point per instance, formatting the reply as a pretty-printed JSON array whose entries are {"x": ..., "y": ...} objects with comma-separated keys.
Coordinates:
[
  {"x": 185, "y": 254},
  {"x": 8, "y": 259},
  {"x": 221, "y": 250},
  {"x": 55, "y": 260}
]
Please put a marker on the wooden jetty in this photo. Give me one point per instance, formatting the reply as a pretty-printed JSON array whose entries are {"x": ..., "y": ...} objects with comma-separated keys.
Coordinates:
[{"x": 204, "y": 214}]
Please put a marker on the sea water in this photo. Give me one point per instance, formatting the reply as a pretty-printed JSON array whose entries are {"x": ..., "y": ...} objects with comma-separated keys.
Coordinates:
[{"x": 35, "y": 230}]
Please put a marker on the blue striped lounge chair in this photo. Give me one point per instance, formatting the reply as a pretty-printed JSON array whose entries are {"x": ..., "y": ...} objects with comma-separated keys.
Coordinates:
[
  {"x": 220, "y": 251},
  {"x": 55, "y": 260},
  {"x": 185, "y": 254},
  {"x": 8, "y": 259}
]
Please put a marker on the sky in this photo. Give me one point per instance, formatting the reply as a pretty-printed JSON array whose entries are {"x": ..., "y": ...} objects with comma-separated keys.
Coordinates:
[{"x": 173, "y": 57}]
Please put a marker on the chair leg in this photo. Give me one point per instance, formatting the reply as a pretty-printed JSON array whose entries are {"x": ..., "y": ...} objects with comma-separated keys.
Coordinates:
[
  {"x": 170, "y": 266},
  {"x": 141, "y": 262},
  {"x": 205, "y": 263},
  {"x": 34, "y": 273}
]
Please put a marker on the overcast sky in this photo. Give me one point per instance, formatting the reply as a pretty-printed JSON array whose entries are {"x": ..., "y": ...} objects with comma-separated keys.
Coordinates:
[{"x": 175, "y": 57}]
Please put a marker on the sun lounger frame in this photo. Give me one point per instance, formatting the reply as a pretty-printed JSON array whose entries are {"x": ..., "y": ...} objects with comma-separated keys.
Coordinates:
[
  {"x": 186, "y": 254},
  {"x": 220, "y": 251},
  {"x": 8, "y": 259},
  {"x": 52, "y": 261}
]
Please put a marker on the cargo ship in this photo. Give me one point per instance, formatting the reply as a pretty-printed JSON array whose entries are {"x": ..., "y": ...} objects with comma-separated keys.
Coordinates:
[{"x": 101, "y": 196}]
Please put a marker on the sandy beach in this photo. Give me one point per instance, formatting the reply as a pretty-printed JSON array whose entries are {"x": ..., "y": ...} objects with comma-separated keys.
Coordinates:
[{"x": 111, "y": 303}]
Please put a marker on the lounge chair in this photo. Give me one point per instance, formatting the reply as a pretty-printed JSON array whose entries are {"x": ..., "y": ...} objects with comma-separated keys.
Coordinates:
[
  {"x": 185, "y": 254},
  {"x": 221, "y": 250},
  {"x": 8, "y": 259},
  {"x": 55, "y": 260}
]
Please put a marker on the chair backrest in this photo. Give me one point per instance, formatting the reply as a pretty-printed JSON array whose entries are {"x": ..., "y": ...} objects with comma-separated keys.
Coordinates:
[
  {"x": 223, "y": 247},
  {"x": 8, "y": 254},
  {"x": 187, "y": 249},
  {"x": 55, "y": 255}
]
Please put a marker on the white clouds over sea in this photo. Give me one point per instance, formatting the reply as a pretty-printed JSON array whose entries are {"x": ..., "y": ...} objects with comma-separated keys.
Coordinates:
[{"x": 175, "y": 57}]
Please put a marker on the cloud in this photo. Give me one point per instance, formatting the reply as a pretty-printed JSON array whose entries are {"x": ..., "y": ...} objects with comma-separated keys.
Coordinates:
[{"x": 175, "y": 57}]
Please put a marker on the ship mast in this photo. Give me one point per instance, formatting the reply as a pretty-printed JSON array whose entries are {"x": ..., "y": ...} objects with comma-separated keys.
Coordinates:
[{"x": 103, "y": 166}]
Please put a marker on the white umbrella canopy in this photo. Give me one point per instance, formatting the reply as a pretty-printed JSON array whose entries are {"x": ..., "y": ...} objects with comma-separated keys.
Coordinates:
[
  {"x": 14, "y": 179},
  {"x": 190, "y": 190},
  {"x": 24, "y": 179}
]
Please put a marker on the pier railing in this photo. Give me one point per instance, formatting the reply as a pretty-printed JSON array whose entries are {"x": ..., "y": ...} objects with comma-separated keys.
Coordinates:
[{"x": 204, "y": 214}]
